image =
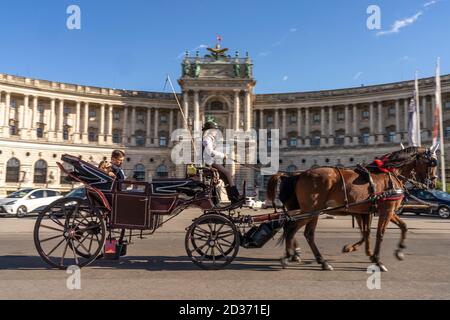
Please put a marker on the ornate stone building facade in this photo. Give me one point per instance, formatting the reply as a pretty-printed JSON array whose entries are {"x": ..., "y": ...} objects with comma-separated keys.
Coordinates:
[{"x": 41, "y": 120}]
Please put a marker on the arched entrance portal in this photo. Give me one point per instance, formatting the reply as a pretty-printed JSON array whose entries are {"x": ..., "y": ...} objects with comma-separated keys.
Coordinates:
[{"x": 219, "y": 108}]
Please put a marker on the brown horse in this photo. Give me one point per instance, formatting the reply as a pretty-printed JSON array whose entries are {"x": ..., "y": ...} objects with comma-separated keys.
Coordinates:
[{"x": 321, "y": 188}]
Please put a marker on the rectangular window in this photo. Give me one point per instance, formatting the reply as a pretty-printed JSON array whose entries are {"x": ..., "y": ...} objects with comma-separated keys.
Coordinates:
[
  {"x": 365, "y": 138},
  {"x": 13, "y": 104},
  {"x": 163, "y": 118},
  {"x": 391, "y": 112},
  {"x": 40, "y": 108},
  {"x": 116, "y": 137},
  {"x": 292, "y": 119},
  {"x": 340, "y": 116},
  {"x": 116, "y": 116},
  {"x": 316, "y": 118},
  {"x": 140, "y": 117},
  {"x": 365, "y": 115},
  {"x": 269, "y": 119},
  {"x": 92, "y": 114},
  {"x": 292, "y": 142}
]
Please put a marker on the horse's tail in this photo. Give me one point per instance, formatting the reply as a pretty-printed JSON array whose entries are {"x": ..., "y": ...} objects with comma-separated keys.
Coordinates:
[{"x": 272, "y": 186}]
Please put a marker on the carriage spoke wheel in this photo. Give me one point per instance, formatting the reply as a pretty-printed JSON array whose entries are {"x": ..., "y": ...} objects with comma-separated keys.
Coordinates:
[
  {"x": 69, "y": 233},
  {"x": 212, "y": 242}
]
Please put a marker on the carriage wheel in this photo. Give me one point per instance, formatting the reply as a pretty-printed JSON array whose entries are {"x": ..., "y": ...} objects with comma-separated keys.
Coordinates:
[
  {"x": 69, "y": 233},
  {"x": 212, "y": 242}
]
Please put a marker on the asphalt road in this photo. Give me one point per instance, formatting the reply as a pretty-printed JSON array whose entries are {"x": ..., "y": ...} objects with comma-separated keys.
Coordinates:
[{"x": 158, "y": 268}]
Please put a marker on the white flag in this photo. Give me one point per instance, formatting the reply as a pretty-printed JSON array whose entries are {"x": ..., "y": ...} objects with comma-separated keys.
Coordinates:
[{"x": 412, "y": 124}]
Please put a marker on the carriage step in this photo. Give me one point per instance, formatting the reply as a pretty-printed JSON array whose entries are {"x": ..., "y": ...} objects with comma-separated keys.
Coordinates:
[{"x": 113, "y": 250}]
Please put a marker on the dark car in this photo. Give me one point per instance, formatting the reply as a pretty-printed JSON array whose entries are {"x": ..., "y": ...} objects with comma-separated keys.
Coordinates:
[
  {"x": 77, "y": 193},
  {"x": 438, "y": 203}
]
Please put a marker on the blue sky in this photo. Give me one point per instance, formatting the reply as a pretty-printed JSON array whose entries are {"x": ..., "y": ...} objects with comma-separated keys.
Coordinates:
[{"x": 295, "y": 45}]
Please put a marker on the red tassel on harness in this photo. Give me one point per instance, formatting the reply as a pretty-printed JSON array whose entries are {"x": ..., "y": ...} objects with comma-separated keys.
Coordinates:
[{"x": 380, "y": 165}]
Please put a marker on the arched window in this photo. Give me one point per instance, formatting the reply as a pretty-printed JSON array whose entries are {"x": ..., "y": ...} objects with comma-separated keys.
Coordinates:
[
  {"x": 162, "y": 171},
  {"x": 12, "y": 170},
  {"x": 40, "y": 172},
  {"x": 139, "y": 172},
  {"x": 215, "y": 105}
]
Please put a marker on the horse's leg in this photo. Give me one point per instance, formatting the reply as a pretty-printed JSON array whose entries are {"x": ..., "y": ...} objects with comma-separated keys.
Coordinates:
[
  {"x": 353, "y": 247},
  {"x": 367, "y": 223},
  {"x": 404, "y": 228},
  {"x": 297, "y": 253},
  {"x": 309, "y": 235},
  {"x": 290, "y": 229},
  {"x": 386, "y": 214}
]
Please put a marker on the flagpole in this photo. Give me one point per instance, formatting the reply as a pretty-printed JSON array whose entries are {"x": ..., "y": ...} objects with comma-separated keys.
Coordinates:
[
  {"x": 441, "y": 126},
  {"x": 417, "y": 98}
]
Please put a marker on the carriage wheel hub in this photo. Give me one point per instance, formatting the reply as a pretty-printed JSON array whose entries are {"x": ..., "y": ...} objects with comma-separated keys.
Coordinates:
[{"x": 211, "y": 243}]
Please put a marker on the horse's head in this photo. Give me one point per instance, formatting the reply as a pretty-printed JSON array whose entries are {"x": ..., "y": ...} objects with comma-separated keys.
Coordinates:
[
  {"x": 417, "y": 163},
  {"x": 426, "y": 166}
]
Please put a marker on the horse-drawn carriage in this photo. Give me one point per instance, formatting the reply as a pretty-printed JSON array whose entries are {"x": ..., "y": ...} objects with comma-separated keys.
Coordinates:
[{"x": 74, "y": 231}]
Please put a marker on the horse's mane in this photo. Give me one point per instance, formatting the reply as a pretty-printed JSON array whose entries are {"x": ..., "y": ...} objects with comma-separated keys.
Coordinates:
[{"x": 399, "y": 157}]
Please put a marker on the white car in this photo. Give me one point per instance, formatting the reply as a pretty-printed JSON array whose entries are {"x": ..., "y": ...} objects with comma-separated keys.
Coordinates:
[{"x": 25, "y": 201}]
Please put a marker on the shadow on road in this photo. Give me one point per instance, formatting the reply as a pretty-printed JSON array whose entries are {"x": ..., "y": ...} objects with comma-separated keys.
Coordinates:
[{"x": 180, "y": 263}]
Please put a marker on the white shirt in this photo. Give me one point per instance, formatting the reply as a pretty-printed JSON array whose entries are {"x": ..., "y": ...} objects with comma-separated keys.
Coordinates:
[{"x": 210, "y": 154}]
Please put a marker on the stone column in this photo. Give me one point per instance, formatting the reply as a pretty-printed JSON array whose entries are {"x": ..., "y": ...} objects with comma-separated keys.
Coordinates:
[
  {"x": 197, "y": 125},
  {"x": 7, "y": 115},
  {"x": 347, "y": 138},
  {"x": 372, "y": 124},
  {"x": 2, "y": 113},
  {"x": 156, "y": 128},
  {"x": 307, "y": 131},
  {"x": 76, "y": 135},
  {"x": 185, "y": 109},
  {"x": 261, "y": 119},
  {"x": 170, "y": 128},
  {"x": 148, "y": 141},
  {"x": 101, "y": 136},
  {"x": 283, "y": 129},
  {"x": 24, "y": 120},
  {"x": 51, "y": 131},
  {"x": 35, "y": 118},
  {"x": 248, "y": 111},
  {"x": 398, "y": 136},
  {"x": 109, "y": 140},
  {"x": 237, "y": 110},
  {"x": 179, "y": 126},
  {"x": 299, "y": 127},
  {"x": 355, "y": 125},
  {"x": 125, "y": 126},
  {"x": 133, "y": 126},
  {"x": 276, "y": 120},
  {"x": 380, "y": 122},
  {"x": 323, "y": 139},
  {"x": 330, "y": 126},
  {"x": 59, "y": 133},
  {"x": 406, "y": 102},
  {"x": 85, "y": 135}
]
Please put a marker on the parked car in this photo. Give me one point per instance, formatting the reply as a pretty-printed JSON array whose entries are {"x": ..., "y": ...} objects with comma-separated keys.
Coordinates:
[
  {"x": 439, "y": 203},
  {"x": 26, "y": 201},
  {"x": 77, "y": 193}
]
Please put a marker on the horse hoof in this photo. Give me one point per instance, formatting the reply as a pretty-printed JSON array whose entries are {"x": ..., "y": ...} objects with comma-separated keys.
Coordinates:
[
  {"x": 284, "y": 263},
  {"x": 382, "y": 268},
  {"x": 399, "y": 255},
  {"x": 369, "y": 254},
  {"x": 347, "y": 249},
  {"x": 327, "y": 267},
  {"x": 296, "y": 259},
  {"x": 402, "y": 246}
]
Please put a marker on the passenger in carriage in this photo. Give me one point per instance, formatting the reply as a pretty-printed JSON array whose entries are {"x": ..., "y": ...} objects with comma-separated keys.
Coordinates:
[
  {"x": 106, "y": 167},
  {"x": 212, "y": 155},
  {"x": 117, "y": 158}
]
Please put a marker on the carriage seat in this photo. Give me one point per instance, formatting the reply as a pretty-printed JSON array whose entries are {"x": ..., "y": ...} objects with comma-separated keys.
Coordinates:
[{"x": 173, "y": 186}]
